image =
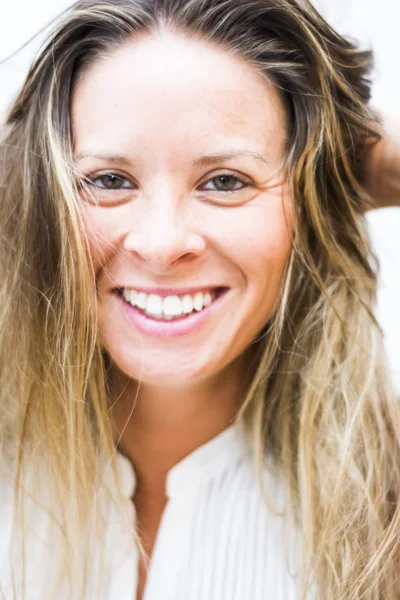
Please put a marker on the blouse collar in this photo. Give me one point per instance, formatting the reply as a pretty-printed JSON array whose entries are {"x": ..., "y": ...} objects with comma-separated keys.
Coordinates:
[{"x": 218, "y": 454}]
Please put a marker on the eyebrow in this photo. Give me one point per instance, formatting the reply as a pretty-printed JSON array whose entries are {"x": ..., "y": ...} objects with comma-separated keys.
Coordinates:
[
  {"x": 213, "y": 158},
  {"x": 113, "y": 158},
  {"x": 206, "y": 160}
]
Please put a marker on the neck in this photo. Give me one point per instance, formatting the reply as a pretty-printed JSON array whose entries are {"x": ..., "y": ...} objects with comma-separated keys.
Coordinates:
[{"x": 158, "y": 425}]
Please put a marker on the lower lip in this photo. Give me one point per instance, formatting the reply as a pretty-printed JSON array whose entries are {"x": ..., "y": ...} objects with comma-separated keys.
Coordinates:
[{"x": 170, "y": 329}]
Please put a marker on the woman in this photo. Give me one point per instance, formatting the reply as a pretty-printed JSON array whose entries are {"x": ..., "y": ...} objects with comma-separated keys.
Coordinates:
[{"x": 187, "y": 278}]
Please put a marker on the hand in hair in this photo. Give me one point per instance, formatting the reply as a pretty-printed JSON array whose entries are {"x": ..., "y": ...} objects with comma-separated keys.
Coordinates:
[{"x": 381, "y": 164}]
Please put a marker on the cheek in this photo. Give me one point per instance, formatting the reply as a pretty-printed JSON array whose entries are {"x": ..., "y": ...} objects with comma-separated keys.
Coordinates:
[
  {"x": 255, "y": 237},
  {"x": 260, "y": 239},
  {"x": 102, "y": 231},
  {"x": 263, "y": 246}
]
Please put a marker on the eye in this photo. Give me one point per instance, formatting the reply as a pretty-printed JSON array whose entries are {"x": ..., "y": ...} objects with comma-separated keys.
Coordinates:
[
  {"x": 225, "y": 183},
  {"x": 106, "y": 189},
  {"x": 109, "y": 181}
]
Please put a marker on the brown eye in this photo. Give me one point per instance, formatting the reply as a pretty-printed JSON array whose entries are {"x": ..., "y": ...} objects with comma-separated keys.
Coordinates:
[
  {"x": 225, "y": 183},
  {"x": 110, "y": 181}
]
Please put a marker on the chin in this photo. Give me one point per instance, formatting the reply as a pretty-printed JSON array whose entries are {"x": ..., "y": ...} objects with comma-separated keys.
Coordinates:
[{"x": 173, "y": 375}]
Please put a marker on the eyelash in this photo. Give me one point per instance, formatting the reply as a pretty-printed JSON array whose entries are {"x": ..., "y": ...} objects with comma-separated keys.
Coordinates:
[{"x": 90, "y": 181}]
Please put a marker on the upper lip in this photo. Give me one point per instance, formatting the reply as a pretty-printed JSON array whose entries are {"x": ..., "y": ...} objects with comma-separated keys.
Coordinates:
[{"x": 171, "y": 291}]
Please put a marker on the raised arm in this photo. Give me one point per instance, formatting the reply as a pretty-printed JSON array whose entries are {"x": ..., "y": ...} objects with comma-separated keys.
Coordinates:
[{"x": 382, "y": 165}]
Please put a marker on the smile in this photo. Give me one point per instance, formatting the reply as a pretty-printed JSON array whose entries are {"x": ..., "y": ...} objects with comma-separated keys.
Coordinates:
[
  {"x": 171, "y": 315},
  {"x": 169, "y": 307}
]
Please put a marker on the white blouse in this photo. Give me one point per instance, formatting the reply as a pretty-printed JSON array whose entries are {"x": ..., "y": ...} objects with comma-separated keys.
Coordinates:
[{"x": 216, "y": 541}]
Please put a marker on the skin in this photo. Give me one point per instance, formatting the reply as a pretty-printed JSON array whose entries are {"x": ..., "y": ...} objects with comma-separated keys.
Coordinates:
[
  {"x": 163, "y": 103},
  {"x": 381, "y": 165}
]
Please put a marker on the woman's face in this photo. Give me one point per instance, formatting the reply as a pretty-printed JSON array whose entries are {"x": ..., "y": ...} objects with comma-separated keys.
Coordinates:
[{"x": 187, "y": 213}]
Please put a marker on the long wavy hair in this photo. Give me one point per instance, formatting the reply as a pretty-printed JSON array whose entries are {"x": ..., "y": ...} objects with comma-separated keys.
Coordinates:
[{"x": 319, "y": 400}]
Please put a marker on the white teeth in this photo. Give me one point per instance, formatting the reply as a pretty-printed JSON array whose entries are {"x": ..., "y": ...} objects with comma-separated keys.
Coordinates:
[
  {"x": 207, "y": 299},
  {"x": 169, "y": 307},
  {"x": 130, "y": 296},
  {"x": 198, "y": 302},
  {"x": 154, "y": 305},
  {"x": 172, "y": 306},
  {"x": 141, "y": 300},
  {"x": 187, "y": 304},
  {"x": 134, "y": 295}
]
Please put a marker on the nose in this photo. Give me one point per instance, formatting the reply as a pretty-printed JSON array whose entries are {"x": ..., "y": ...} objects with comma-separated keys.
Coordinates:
[{"x": 164, "y": 235}]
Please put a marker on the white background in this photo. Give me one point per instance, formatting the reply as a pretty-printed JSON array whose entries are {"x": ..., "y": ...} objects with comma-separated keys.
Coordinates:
[{"x": 375, "y": 23}]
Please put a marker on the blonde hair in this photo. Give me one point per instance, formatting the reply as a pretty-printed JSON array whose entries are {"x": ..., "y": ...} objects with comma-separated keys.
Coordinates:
[{"x": 319, "y": 400}]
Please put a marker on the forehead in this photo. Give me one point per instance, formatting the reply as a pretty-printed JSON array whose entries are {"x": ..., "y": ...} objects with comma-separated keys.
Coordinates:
[{"x": 168, "y": 88}]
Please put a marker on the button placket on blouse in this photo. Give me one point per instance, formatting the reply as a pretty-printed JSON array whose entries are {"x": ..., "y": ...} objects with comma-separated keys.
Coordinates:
[{"x": 183, "y": 485}]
